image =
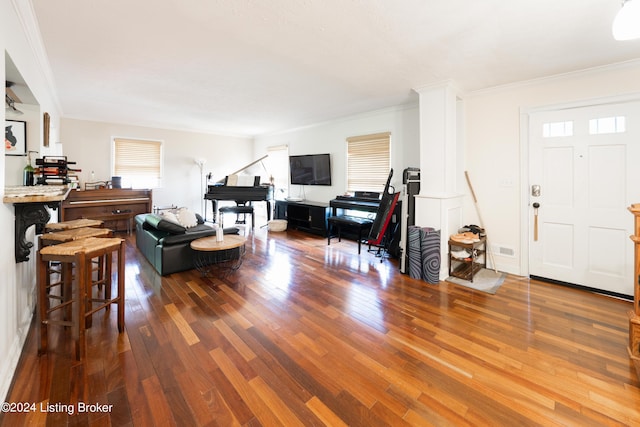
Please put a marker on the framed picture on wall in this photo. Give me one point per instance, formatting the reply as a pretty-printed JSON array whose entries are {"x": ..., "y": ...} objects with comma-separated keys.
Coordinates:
[
  {"x": 15, "y": 138},
  {"x": 46, "y": 125}
]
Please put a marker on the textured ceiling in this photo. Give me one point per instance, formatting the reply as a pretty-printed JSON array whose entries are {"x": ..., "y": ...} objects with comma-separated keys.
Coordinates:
[{"x": 249, "y": 67}]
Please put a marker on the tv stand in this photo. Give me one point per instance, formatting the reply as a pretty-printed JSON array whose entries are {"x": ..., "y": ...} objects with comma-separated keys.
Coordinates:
[{"x": 304, "y": 215}]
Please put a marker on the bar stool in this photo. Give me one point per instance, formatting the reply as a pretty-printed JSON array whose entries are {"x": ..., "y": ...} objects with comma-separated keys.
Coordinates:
[
  {"x": 238, "y": 210},
  {"x": 68, "y": 235},
  {"x": 54, "y": 238},
  {"x": 80, "y": 253},
  {"x": 73, "y": 224}
]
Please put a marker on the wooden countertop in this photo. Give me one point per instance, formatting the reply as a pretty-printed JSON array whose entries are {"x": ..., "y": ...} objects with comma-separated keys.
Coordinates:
[{"x": 35, "y": 194}]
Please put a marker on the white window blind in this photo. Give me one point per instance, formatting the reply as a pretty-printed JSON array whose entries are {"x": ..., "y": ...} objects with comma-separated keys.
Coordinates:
[
  {"x": 138, "y": 162},
  {"x": 368, "y": 162}
]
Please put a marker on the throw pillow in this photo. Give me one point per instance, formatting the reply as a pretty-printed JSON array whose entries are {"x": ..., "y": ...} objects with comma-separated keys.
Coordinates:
[
  {"x": 186, "y": 218},
  {"x": 171, "y": 217},
  {"x": 160, "y": 223}
]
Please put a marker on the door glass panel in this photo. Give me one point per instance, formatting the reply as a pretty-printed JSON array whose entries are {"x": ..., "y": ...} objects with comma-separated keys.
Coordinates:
[
  {"x": 557, "y": 129},
  {"x": 607, "y": 125}
]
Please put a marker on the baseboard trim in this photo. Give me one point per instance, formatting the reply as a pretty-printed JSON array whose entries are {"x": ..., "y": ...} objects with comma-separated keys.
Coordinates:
[{"x": 584, "y": 288}]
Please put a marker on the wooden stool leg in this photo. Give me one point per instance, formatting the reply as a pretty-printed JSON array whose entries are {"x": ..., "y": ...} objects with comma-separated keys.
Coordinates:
[
  {"x": 41, "y": 272},
  {"x": 87, "y": 320},
  {"x": 108, "y": 260},
  {"x": 121, "y": 305},
  {"x": 66, "y": 277},
  {"x": 83, "y": 280},
  {"x": 100, "y": 274}
]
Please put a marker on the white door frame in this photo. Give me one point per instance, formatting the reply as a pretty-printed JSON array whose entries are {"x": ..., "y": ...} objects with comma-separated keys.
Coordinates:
[{"x": 525, "y": 144}]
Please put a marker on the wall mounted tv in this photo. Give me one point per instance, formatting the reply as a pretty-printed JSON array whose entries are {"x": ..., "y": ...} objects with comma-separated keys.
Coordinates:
[{"x": 310, "y": 169}]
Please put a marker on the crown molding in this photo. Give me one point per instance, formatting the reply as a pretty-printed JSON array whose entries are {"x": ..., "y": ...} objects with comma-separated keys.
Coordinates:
[
  {"x": 355, "y": 116},
  {"x": 449, "y": 83},
  {"x": 634, "y": 63},
  {"x": 29, "y": 23}
]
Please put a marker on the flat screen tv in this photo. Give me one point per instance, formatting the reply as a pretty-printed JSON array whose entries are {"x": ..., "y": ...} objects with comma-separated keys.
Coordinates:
[{"x": 310, "y": 169}]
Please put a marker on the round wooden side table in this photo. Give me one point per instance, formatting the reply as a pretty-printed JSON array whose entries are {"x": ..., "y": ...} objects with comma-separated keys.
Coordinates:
[{"x": 225, "y": 255}]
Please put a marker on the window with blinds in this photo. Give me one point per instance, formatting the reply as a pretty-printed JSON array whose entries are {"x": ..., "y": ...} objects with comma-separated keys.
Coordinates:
[
  {"x": 368, "y": 162},
  {"x": 138, "y": 162}
]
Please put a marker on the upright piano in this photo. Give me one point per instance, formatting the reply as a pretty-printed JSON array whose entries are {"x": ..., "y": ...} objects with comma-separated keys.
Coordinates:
[
  {"x": 116, "y": 206},
  {"x": 367, "y": 202},
  {"x": 370, "y": 203},
  {"x": 240, "y": 194}
]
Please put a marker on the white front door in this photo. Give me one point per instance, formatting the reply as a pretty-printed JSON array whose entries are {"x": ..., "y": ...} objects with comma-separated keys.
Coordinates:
[{"x": 586, "y": 162}]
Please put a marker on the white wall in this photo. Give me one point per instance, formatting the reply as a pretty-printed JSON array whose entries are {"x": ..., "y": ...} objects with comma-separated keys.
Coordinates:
[
  {"x": 330, "y": 137},
  {"x": 17, "y": 296},
  {"x": 493, "y": 146},
  {"x": 89, "y": 145}
]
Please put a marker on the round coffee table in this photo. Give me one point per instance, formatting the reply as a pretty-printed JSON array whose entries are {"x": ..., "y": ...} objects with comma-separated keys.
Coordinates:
[{"x": 226, "y": 255}]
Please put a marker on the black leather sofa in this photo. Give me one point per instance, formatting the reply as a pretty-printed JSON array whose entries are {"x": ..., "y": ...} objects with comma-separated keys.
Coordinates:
[{"x": 166, "y": 245}]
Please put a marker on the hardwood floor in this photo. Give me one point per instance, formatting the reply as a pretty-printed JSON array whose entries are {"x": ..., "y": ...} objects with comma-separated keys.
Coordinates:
[{"x": 310, "y": 334}]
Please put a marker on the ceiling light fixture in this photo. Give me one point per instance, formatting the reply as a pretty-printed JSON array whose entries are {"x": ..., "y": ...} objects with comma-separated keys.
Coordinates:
[
  {"x": 626, "y": 25},
  {"x": 10, "y": 106},
  {"x": 10, "y": 103}
]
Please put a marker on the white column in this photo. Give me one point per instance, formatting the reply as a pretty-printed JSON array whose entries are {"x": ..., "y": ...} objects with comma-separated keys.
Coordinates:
[{"x": 439, "y": 204}]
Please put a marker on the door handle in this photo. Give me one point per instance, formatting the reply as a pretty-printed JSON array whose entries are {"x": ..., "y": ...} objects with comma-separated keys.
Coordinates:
[{"x": 536, "y": 205}]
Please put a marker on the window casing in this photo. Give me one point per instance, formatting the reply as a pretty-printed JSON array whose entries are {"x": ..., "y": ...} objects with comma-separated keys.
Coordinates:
[
  {"x": 138, "y": 162},
  {"x": 278, "y": 167},
  {"x": 368, "y": 162}
]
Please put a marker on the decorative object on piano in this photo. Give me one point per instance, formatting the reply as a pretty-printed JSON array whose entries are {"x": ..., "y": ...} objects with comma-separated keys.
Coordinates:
[
  {"x": 15, "y": 138},
  {"x": 97, "y": 185},
  {"x": 116, "y": 182}
]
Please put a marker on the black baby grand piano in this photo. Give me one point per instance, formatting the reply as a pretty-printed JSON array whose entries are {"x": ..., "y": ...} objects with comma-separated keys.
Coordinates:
[{"x": 241, "y": 194}]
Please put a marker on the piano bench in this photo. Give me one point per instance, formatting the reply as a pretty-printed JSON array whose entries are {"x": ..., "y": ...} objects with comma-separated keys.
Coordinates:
[
  {"x": 361, "y": 224},
  {"x": 238, "y": 210}
]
